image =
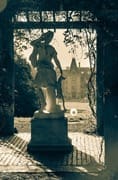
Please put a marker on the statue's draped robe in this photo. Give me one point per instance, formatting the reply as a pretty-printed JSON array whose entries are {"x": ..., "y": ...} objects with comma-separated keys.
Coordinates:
[{"x": 41, "y": 58}]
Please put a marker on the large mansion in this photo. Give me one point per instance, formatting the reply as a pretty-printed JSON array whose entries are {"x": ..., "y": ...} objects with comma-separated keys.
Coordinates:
[{"x": 75, "y": 85}]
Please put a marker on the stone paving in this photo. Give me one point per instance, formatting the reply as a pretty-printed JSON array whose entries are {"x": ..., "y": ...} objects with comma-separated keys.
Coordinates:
[{"x": 87, "y": 155}]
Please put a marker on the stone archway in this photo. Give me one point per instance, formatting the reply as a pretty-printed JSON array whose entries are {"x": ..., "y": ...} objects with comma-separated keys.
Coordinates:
[
  {"x": 14, "y": 24},
  {"x": 6, "y": 32}
]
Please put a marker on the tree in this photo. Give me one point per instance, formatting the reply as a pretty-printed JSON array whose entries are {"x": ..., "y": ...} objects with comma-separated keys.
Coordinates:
[{"x": 26, "y": 98}]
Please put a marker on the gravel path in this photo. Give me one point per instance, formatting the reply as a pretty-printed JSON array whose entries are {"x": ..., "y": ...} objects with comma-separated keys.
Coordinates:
[
  {"x": 80, "y": 123},
  {"x": 28, "y": 176}
]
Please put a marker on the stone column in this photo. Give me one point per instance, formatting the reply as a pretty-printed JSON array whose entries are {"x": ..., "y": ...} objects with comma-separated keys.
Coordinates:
[
  {"x": 111, "y": 104},
  {"x": 6, "y": 76}
]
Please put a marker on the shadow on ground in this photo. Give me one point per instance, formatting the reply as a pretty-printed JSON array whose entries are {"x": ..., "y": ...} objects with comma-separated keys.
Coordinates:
[{"x": 58, "y": 164}]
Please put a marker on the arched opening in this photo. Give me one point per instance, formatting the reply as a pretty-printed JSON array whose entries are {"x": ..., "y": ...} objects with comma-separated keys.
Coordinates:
[
  {"x": 79, "y": 87},
  {"x": 66, "y": 24}
]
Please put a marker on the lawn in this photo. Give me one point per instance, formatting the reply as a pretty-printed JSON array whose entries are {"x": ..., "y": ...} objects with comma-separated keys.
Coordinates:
[{"x": 81, "y": 121}]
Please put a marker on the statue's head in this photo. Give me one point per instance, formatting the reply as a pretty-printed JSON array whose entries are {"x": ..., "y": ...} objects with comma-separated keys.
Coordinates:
[{"x": 47, "y": 37}]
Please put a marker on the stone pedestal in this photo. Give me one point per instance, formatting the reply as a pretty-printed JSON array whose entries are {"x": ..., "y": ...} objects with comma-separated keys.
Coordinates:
[{"x": 49, "y": 133}]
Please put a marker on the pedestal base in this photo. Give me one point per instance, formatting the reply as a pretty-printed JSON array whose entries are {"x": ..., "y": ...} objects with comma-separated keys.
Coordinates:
[
  {"x": 49, "y": 148},
  {"x": 49, "y": 134}
]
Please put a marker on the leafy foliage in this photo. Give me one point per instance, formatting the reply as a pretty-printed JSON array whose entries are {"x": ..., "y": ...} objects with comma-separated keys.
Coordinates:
[
  {"x": 26, "y": 99},
  {"x": 22, "y": 38}
]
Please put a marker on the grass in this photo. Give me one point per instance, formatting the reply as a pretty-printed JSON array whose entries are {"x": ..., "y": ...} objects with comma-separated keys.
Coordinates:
[{"x": 82, "y": 122}]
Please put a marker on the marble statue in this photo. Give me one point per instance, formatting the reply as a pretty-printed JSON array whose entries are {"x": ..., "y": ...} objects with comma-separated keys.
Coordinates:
[{"x": 46, "y": 79}]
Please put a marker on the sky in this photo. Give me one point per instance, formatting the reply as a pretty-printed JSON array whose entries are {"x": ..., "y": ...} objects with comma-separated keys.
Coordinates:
[{"x": 63, "y": 54}]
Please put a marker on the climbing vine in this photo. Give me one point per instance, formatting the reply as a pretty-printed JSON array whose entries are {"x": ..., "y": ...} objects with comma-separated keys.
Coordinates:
[
  {"x": 91, "y": 43},
  {"x": 86, "y": 39}
]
